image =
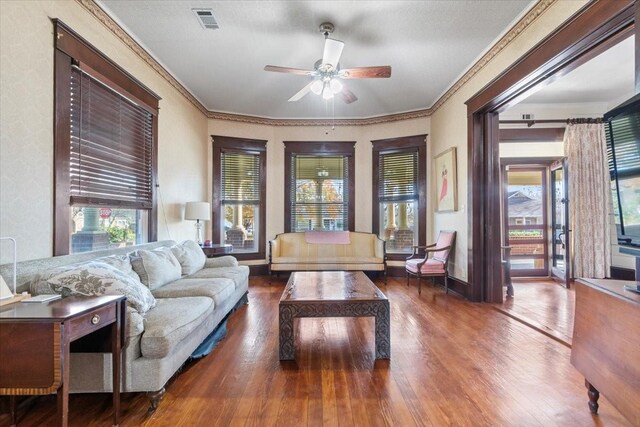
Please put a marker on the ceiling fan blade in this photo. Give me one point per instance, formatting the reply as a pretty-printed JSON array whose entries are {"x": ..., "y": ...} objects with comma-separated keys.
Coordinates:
[
  {"x": 288, "y": 70},
  {"x": 332, "y": 51},
  {"x": 383, "y": 71},
  {"x": 305, "y": 90},
  {"x": 347, "y": 96}
]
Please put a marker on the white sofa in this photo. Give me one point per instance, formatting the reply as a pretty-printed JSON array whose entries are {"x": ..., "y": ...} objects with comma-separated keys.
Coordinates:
[
  {"x": 160, "y": 340},
  {"x": 293, "y": 252}
]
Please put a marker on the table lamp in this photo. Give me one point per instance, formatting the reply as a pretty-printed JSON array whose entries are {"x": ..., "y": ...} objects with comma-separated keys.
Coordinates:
[{"x": 198, "y": 211}]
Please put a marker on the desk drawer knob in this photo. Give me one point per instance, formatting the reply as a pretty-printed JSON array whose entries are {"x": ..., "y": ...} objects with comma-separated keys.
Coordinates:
[{"x": 95, "y": 319}]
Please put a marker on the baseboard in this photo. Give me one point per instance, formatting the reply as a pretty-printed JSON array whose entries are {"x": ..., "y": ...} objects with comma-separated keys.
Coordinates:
[{"x": 622, "y": 273}]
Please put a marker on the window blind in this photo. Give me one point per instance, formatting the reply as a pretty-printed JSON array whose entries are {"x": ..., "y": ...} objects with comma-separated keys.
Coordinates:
[
  {"x": 240, "y": 178},
  {"x": 111, "y": 146},
  {"x": 319, "y": 193},
  {"x": 623, "y": 151},
  {"x": 398, "y": 176}
]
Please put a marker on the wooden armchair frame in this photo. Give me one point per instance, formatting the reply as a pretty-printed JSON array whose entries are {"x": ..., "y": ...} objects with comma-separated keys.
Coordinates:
[{"x": 432, "y": 248}]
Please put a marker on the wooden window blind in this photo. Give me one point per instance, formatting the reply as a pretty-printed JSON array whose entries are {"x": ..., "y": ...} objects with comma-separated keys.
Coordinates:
[
  {"x": 241, "y": 178},
  {"x": 398, "y": 176},
  {"x": 111, "y": 144},
  {"x": 623, "y": 151},
  {"x": 319, "y": 192}
]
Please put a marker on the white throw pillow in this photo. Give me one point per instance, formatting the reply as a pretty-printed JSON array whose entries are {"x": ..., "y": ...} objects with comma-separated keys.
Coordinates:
[
  {"x": 156, "y": 268},
  {"x": 190, "y": 256},
  {"x": 97, "y": 278}
]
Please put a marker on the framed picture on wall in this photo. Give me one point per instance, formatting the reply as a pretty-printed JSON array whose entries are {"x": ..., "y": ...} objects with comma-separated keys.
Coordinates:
[{"x": 446, "y": 185}]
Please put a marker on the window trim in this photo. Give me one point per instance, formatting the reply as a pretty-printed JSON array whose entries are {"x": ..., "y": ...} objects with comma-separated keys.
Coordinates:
[
  {"x": 319, "y": 148},
  {"x": 71, "y": 49},
  {"x": 398, "y": 145},
  {"x": 248, "y": 146}
]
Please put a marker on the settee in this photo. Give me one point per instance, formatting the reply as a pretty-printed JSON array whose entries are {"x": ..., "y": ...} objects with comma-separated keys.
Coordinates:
[
  {"x": 329, "y": 250},
  {"x": 175, "y": 299}
]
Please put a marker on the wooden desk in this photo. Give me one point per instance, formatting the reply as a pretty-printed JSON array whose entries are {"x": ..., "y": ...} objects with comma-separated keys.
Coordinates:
[
  {"x": 213, "y": 251},
  {"x": 606, "y": 344},
  {"x": 36, "y": 340}
]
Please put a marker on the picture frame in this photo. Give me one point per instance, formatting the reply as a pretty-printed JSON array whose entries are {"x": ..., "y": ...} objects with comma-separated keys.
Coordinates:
[{"x": 446, "y": 181}]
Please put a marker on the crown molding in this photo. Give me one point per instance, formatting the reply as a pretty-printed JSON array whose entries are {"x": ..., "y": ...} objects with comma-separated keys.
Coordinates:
[
  {"x": 319, "y": 122},
  {"x": 535, "y": 12},
  {"x": 104, "y": 18}
]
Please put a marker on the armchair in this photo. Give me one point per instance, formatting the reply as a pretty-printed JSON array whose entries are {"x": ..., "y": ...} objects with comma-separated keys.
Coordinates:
[{"x": 422, "y": 266}]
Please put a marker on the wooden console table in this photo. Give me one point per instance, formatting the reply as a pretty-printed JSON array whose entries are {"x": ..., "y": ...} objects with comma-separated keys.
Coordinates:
[
  {"x": 606, "y": 343},
  {"x": 36, "y": 340},
  {"x": 213, "y": 251}
]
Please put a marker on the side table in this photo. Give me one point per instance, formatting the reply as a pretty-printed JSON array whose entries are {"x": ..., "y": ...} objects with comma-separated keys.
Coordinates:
[
  {"x": 36, "y": 340},
  {"x": 213, "y": 251}
]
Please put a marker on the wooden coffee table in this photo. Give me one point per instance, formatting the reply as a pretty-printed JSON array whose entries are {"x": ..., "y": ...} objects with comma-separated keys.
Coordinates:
[{"x": 333, "y": 294}]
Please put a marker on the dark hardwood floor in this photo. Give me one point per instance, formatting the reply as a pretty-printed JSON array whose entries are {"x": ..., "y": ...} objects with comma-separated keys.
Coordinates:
[{"x": 452, "y": 363}]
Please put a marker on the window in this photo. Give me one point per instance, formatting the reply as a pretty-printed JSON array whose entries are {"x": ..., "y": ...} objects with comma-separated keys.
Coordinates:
[
  {"x": 239, "y": 171},
  {"x": 319, "y": 190},
  {"x": 399, "y": 197},
  {"x": 105, "y": 151}
]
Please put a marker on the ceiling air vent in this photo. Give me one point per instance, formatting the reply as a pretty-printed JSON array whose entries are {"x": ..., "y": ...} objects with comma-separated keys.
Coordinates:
[{"x": 206, "y": 19}]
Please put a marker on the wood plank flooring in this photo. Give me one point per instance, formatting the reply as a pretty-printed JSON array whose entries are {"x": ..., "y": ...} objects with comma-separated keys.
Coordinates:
[
  {"x": 543, "y": 304},
  {"x": 452, "y": 363}
]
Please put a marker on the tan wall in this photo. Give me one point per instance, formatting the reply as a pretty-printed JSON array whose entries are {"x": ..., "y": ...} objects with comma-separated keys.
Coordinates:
[
  {"x": 26, "y": 126},
  {"x": 275, "y": 135},
  {"x": 449, "y": 122}
]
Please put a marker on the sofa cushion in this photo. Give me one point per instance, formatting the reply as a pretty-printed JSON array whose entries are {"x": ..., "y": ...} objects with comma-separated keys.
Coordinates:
[
  {"x": 217, "y": 289},
  {"x": 170, "y": 322},
  {"x": 190, "y": 256},
  {"x": 238, "y": 274},
  {"x": 96, "y": 278},
  {"x": 157, "y": 267},
  {"x": 121, "y": 263}
]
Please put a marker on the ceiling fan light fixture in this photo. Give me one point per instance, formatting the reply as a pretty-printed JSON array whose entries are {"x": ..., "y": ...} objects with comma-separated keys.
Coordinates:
[
  {"x": 317, "y": 86},
  {"x": 327, "y": 93},
  {"x": 335, "y": 85}
]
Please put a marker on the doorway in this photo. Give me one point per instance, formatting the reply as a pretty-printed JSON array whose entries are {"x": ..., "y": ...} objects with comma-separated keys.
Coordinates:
[{"x": 526, "y": 219}]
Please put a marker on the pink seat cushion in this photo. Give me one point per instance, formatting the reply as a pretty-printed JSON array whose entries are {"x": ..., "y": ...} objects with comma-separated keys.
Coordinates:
[{"x": 432, "y": 266}]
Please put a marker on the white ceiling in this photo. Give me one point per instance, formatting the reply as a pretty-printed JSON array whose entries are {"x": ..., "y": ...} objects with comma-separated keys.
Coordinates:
[
  {"x": 607, "y": 78},
  {"x": 428, "y": 44}
]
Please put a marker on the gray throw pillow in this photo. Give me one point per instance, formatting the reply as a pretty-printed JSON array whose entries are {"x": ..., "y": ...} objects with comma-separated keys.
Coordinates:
[
  {"x": 156, "y": 268},
  {"x": 190, "y": 256},
  {"x": 121, "y": 263},
  {"x": 96, "y": 278}
]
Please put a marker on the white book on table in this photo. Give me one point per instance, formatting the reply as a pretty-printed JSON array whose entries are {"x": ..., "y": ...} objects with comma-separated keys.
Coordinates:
[{"x": 43, "y": 298}]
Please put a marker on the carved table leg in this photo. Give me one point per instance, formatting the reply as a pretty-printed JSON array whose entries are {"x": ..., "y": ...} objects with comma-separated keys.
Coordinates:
[
  {"x": 287, "y": 350},
  {"x": 155, "y": 398},
  {"x": 594, "y": 395},
  {"x": 383, "y": 331}
]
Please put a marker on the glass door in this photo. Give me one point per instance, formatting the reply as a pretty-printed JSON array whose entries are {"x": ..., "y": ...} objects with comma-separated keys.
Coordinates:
[
  {"x": 560, "y": 243},
  {"x": 526, "y": 220}
]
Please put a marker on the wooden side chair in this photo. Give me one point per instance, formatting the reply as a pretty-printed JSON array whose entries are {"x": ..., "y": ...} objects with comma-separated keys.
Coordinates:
[{"x": 420, "y": 265}]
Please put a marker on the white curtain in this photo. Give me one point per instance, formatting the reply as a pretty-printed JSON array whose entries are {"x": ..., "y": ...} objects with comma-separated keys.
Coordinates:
[{"x": 589, "y": 199}]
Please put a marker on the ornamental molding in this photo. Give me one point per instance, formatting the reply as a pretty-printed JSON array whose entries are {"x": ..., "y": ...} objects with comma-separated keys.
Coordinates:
[
  {"x": 105, "y": 19},
  {"x": 498, "y": 47}
]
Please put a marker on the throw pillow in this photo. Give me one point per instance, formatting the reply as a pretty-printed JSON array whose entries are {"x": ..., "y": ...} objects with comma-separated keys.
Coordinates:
[
  {"x": 96, "y": 278},
  {"x": 190, "y": 256},
  {"x": 157, "y": 267},
  {"x": 121, "y": 263}
]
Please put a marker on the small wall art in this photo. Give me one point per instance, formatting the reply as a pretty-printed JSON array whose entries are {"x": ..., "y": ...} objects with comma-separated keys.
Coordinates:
[{"x": 446, "y": 183}]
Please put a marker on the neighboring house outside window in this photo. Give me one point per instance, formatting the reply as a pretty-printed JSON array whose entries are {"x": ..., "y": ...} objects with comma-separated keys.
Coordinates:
[
  {"x": 239, "y": 188},
  {"x": 105, "y": 151},
  {"x": 319, "y": 186},
  {"x": 399, "y": 193}
]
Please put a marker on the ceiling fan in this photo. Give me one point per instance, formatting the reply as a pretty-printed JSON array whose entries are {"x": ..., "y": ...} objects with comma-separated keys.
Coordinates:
[{"x": 327, "y": 73}]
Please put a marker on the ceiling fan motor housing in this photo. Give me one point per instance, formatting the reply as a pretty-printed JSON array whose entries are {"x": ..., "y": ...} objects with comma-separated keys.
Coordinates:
[{"x": 326, "y": 28}]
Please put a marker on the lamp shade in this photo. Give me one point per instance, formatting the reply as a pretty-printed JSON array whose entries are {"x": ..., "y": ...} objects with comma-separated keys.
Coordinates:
[{"x": 197, "y": 211}]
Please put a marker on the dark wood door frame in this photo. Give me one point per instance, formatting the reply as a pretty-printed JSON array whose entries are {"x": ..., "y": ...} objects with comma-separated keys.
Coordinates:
[{"x": 592, "y": 30}]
